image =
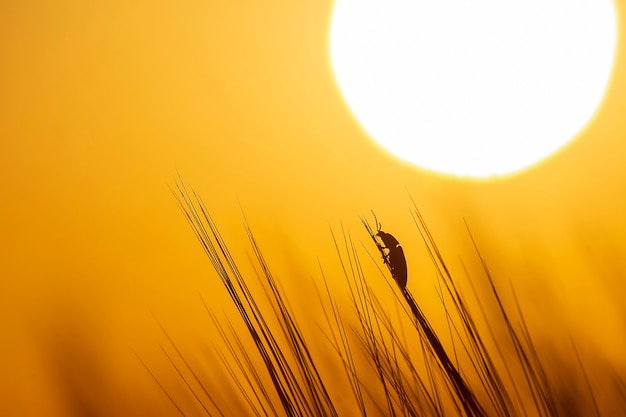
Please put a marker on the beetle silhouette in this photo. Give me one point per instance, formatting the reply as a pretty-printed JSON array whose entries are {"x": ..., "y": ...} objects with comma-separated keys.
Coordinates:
[{"x": 393, "y": 255}]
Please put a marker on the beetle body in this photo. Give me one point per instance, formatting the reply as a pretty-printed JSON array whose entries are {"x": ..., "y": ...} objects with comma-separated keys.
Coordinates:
[{"x": 393, "y": 256}]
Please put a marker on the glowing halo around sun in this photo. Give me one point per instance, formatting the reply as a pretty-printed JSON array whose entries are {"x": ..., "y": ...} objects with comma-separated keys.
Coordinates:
[{"x": 473, "y": 88}]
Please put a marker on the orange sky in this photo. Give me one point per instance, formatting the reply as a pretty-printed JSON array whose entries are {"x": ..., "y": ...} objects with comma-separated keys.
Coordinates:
[{"x": 102, "y": 103}]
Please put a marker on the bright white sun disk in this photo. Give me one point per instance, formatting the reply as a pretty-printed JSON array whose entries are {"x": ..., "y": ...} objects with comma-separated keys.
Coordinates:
[{"x": 477, "y": 87}]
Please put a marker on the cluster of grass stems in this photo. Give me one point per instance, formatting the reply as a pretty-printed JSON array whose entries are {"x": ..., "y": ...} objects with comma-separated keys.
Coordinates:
[{"x": 384, "y": 369}]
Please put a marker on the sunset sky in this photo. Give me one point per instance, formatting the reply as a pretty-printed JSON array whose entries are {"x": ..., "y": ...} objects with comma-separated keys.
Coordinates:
[{"x": 104, "y": 104}]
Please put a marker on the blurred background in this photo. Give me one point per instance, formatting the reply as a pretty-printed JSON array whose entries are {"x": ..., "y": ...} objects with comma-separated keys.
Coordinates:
[{"x": 104, "y": 104}]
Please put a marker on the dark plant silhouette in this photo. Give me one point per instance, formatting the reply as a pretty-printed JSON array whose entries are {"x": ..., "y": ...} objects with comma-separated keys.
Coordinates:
[{"x": 386, "y": 369}]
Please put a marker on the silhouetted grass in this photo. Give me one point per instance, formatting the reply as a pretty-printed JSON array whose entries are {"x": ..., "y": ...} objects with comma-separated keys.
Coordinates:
[{"x": 384, "y": 369}]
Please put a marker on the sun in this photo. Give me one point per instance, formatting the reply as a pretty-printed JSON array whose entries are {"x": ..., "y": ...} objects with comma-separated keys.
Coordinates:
[{"x": 473, "y": 88}]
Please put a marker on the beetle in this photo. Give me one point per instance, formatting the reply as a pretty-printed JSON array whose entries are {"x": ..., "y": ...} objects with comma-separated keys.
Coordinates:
[{"x": 393, "y": 255}]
